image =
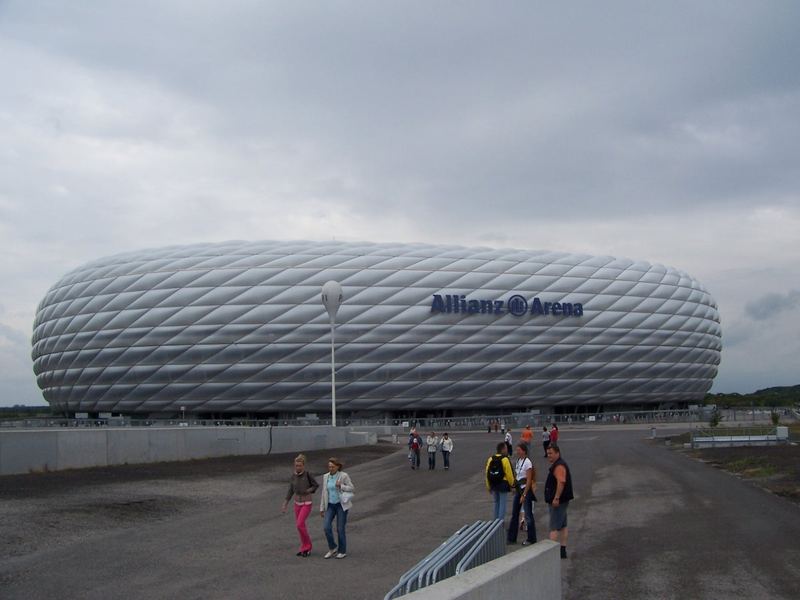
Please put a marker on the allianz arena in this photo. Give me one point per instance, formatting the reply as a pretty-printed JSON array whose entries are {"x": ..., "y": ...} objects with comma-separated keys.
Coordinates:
[{"x": 239, "y": 328}]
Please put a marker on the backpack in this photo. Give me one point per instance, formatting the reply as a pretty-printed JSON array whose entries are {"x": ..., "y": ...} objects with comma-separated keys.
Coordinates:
[{"x": 495, "y": 473}]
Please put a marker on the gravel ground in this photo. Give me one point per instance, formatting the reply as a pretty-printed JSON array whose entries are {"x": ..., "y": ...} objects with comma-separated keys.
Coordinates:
[
  {"x": 646, "y": 523},
  {"x": 774, "y": 468},
  {"x": 213, "y": 529},
  {"x": 51, "y": 510}
]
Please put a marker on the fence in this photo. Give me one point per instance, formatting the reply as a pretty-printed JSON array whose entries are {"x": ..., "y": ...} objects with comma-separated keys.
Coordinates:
[
  {"x": 468, "y": 547},
  {"x": 115, "y": 422},
  {"x": 514, "y": 421},
  {"x": 750, "y": 436}
]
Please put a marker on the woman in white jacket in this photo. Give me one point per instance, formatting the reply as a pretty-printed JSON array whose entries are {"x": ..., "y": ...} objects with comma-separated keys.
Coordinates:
[
  {"x": 337, "y": 499},
  {"x": 432, "y": 446},
  {"x": 447, "y": 448}
]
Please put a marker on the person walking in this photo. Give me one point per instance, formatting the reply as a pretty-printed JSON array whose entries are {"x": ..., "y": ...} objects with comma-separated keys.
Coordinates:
[
  {"x": 554, "y": 434},
  {"x": 557, "y": 494},
  {"x": 526, "y": 436},
  {"x": 411, "y": 435},
  {"x": 447, "y": 448},
  {"x": 432, "y": 447},
  {"x": 509, "y": 442},
  {"x": 524, "y": 494},
  {"x": 302, "y": 485},
  {"x": 336, "y": 502},
  {"x": 545, "y": 439},
  {"x": 414, "y": 448},
  {"x": 499, "y": 479}
]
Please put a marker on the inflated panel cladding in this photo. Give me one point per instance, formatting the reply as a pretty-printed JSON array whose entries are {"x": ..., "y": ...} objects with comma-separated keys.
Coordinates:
[{"x": 240, "y": 326}]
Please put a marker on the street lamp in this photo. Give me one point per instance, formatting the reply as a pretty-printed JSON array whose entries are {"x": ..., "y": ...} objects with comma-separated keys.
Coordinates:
[{"x": 332, "y": 299}]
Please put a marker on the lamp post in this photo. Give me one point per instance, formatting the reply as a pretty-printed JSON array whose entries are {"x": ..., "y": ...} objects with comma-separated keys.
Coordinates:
[{"x": 332, "y": 299}]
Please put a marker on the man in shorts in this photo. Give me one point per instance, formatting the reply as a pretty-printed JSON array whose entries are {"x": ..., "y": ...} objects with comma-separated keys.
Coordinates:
[{"x": 557, "y": 494}]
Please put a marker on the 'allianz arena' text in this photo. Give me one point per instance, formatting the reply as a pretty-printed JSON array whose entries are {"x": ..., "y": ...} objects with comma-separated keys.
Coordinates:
[{"x": 239, "y": 327}]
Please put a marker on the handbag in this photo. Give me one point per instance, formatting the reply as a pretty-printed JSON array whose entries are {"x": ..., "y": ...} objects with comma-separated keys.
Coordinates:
[{"x": 521, "y": 487}]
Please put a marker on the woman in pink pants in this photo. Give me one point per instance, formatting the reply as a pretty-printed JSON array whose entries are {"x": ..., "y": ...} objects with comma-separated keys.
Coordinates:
[{"x": 301, "y": 486}]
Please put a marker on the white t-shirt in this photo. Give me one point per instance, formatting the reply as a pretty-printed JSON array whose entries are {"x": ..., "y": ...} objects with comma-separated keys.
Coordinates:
[{"x": 522, "y": 467}]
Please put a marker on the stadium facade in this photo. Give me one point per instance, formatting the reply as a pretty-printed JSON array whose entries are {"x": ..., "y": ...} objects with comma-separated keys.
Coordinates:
[{"x": 239, "y": 328}]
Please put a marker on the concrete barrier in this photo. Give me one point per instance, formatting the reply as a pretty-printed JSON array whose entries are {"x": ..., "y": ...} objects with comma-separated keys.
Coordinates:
[
  {"x": 533, "y": 573},
  {"x": 728, "y": 441},
  {"x": 38, "y": 450}
]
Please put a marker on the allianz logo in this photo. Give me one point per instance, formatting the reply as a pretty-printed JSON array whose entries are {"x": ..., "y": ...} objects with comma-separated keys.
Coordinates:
[{"x": 515, "y": 305}]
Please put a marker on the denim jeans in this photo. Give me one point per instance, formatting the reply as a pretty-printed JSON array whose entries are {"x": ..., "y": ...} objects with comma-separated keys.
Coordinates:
[
  {"x": 336, "y": 510},
  {"x": 513, "y": 526},
  {"x": 500, "y": 504},
  {"x": 431, "y": 459},
  {"x": 446, "y": 456}
]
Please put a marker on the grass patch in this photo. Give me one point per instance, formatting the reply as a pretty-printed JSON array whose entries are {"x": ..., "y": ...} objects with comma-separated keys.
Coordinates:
[
  {"x": 680, "y": 440},
  {"x": 775, "y": 468},
  {"x": 751, "y": 466}
]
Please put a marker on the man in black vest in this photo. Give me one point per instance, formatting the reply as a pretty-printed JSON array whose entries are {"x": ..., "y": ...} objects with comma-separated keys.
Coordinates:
[{"x": 558, "y": 493}]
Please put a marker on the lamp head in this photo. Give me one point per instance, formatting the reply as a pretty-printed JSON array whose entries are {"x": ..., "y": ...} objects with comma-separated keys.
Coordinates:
[{"x": 332, "y": 298}]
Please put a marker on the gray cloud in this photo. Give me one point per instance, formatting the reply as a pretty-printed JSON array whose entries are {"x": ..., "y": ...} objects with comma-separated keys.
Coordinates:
[
  {"x": 9, "y": 335},
  {"x": 526, "y": 106},
  {"x": 770, "y": 306},
  {"x": 17, "y": 382},
  {"x": 667, "y": 132}
]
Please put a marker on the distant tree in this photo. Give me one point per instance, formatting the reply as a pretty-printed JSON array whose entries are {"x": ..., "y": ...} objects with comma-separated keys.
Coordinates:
[{"x": 715, "y": 417}]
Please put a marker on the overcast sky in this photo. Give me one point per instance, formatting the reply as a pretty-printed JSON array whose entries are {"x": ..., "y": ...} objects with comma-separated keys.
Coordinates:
[{"x": 666, "y": 132}]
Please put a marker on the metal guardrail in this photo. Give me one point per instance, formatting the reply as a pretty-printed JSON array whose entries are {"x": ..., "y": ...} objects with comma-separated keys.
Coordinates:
[
  {"x": 402, "y": 587},
  {"x": 763, "y": 436},
  {"x": 492, "y": 545},
  {"x": 514, "y": 421},
  {"x": 735, "y": 440},
  {"x": 116, "y": 422},
  {"x": 468, "y": 547},
  {"x": 710, "y": 432}
]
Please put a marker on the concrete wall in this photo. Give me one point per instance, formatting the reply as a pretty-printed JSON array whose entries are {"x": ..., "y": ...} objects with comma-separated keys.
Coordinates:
[
  {"x": 40, "y": 450},
  {"x": 532, "y": 572}
]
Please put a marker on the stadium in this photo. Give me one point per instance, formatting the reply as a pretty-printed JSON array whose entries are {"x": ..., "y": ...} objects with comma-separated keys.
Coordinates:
[{"x": 238, "y": 328}]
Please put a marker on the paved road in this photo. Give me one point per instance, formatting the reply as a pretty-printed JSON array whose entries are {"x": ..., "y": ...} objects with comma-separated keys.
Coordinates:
[
  {"x": 653, "y": 523},
  {"x": 648, "y": 523}
]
